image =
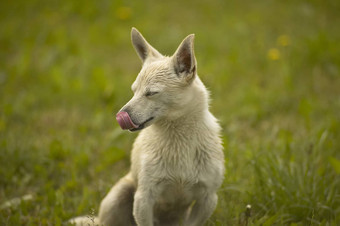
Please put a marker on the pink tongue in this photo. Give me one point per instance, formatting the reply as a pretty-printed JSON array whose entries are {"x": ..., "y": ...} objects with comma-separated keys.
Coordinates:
[{"x": 125, "y": 121}]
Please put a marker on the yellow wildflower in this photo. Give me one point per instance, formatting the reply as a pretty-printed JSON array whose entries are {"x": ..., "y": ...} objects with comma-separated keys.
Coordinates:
[
  {"x": 273, "y": 54},
  {"x": 123, "y": 13}
]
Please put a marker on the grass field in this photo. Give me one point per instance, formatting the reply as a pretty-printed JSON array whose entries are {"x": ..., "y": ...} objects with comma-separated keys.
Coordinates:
[{"x": 272, "y": 68}]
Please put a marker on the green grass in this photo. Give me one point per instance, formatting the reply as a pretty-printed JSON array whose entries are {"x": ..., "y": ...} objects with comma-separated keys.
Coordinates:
[{"x": 273, "y": 70}]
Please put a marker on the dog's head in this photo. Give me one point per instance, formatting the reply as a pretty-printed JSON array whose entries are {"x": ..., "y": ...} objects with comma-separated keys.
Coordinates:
[{"x": 162, "y": 87}]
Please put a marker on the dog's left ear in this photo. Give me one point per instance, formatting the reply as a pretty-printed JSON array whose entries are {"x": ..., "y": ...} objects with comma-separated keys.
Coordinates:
[{"x": 184, "y": 59}]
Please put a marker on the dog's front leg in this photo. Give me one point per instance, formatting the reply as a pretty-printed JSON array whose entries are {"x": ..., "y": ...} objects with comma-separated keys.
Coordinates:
[
  {"x": 202, "y": 209},
  {"x": 143, "y": 208}
]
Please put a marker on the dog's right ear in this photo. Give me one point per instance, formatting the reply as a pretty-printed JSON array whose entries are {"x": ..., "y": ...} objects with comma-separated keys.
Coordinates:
[{"x": 142, "y": 47}]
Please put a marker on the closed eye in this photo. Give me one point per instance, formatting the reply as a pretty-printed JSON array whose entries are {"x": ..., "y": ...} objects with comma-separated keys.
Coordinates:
[{"x": 148, "y": 94}]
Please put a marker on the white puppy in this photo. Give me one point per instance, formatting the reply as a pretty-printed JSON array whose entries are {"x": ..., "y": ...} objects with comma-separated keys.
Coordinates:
[{"x": 177, "y": 158}]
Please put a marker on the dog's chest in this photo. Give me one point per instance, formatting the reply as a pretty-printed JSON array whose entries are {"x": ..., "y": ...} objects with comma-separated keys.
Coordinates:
[
  {"x": 179, "y": 157},
  {"x": 177, "y": 161}
]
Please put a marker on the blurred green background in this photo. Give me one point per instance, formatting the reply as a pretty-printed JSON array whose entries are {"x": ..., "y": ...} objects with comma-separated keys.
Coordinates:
[{"x": 272, "y": 68}]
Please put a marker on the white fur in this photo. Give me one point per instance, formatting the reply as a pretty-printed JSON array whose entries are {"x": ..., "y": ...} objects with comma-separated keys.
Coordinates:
[{"x": 177, "y": 159}]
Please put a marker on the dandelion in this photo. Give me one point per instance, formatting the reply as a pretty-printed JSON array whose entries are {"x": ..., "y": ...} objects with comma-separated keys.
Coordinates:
[
  {"x": 283, "y": 40},
  {"x": 273, "y": 54},
  {"x": 123, "y": 13}
]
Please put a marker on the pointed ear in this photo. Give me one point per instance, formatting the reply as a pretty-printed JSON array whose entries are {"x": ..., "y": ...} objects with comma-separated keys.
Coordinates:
[
  {"x": 142, "y": 47},
  {"x": 184, "y": 58}
]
